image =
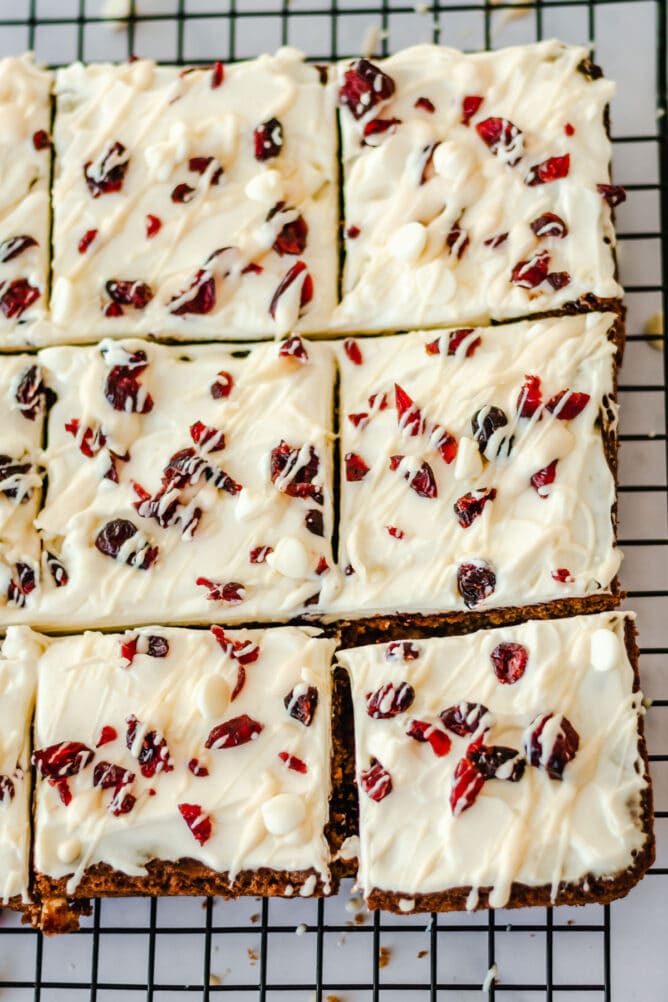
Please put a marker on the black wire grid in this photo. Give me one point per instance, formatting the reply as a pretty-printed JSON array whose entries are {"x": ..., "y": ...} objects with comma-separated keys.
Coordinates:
[{"x": 167, "y": 949}]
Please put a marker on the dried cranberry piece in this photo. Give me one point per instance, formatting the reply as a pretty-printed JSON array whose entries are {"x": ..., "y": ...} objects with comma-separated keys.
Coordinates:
[
  {"x": 293, "y": 347},
  {"x": 57, "y": 569},
  {"x": 231, "y": 592},
  {"x": 129, "y": 650},
  {"x": 552, "y": 169},
  {"x": 66, "y": 758},
  {"x": 455, "y": 338},
  {"x": 457, "y": 239},
  {"x": 291, "y": 238},
  {"x": 16, "y": 297},
  {"x": 470, "y": 105},
  {"x": 240, "y": 682},
  {"x": 222, "y": 386},
  {"x": 106, "y": 736},
  {"x": 22, "y": 585},
  {"x": 409, "y": 415},
  {"x": 378, "y": 401},
  {"x": 301, "y": 703},
  {"x": 424, "y": 104},
  {"x": 217, "y": 74},
  {"x": 198, "y": 822},
  {"x": 530, "y": 397},
  {"x": 246, "y": 652},
  {"x": 198, "y": 165},
  {"x": 306, "y": 292},
  {"x": 153, "y": 226},
  {"x": 113, "y": 536},
  {"x": 475, "y": 582},
  {"x": 427, "y": 170},
  {"x": 32, "y": 395},
  {"x": 376, "y": 781},
  {"x": 158, "y": 647},
  {"x": 543, "y": 478},
  {"x": 294, "y": 476},
  {"x": 496, "y": 240},
  {"x": 469, "y": 506},
  {"x": 364, "y": 86},
  {"x": 113, "y": 310},
  {"x": 64, "y": 791},
  {"x": 86, "y": 240},
  {"x": 613, "y": 194},
  {"x": 109, "y": 776},
  {"x": 13, "y": 473},
  {"x": 196, "y": 768},
  {"x": 127, "y": 292},
  {"x": 550, "y": 743},
  {"x": 207, "y": 438},
  {"x": 314, "y": 522},
  {"x": 395, "y": 532},
  {"x": 198, "y": 298},
  {"x": 558, "y": 279},
  {"x": 465, "y": 718},
  {"x": 378, "y": 127},
  {"x": 467, "y": 783},
  {"x": 41, "y": 140},
  {"x": 292, "y": 762},
  {"x": 353, "y": 351},
  {"x": 424, "y": 732},
  {"x": 259, "y": 554},
  {"x": 7, "y": 791},
  {"x": 356, "y": 468},
  {"x": 549, "y": 225},
  {"x": 353, "y": 232},
  {"x": 268, "y": 139},
  {"x": 91, "y": 442},
  {"x": 107, "y": 174},
  {"x": 123, "y": 390},
  {"x": 502, "y": 137},
  {"x": 563, "y": 575},
  {"x": 529, "y": 274},
  {"x": 153, "y": 755},
  {"x": 569, "y": 129},
  {"x": 567, "y": 404},
  {"x": 422, "y": 480},
  {"x": 497, "y": 762},
  {"x": 389, "y": 700},
  {"x": 509, "y": 662},
  {"x": 182, "y": 193},
  {"x": 402, "y": 650},
  {"x": 14, "y": 246},
  {"x": 121, "y": 803},
  {"x": 234, "y": 732},
  {"x": 484, "y": 424}
]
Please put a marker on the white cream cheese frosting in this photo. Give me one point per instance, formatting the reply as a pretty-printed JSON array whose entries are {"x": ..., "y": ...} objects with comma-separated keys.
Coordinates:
[
  {"x": 219, "y": 466},
  {"x": 251, "y": 793},
  {"x": 197, "y": 203},
  {"x": 570, "y": 814},
  {"x": 25, "y": 166},
  {"x": 18, "y": 677},
  {"x": 422, "y": 498},
  {"x": 454, "y": 168},
  {"x": 23, "y": 397}
]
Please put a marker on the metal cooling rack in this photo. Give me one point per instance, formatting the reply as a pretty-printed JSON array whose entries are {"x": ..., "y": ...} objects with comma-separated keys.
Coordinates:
[{"x": 170, "y": 949}]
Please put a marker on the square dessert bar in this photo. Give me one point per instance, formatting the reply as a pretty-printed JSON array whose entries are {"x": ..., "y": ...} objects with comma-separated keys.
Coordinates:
[
  {"x": 478, "y": 472},
  {"x": 173, "y": 761},
  {"x": 18, "y": 678},
  {"x": 25, "y": 167},
  {"x": 189, "y": 485},
  {"x": 197, "y": 203},
  {"x": 23, "y": 400},
  {"x": 476, "y": 187},
  {"x": 502, "y": 768}
]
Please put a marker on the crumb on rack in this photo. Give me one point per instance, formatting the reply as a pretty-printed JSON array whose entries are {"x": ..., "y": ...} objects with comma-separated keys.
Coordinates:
[{"x": 384, "y": 956}]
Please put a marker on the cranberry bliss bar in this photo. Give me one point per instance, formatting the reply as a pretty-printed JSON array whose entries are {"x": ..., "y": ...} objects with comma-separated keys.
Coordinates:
[
  {"x": 189, "y": 485},
  {"x": 173, "y": 761},
  {"x": 25, "y": 159},
  {"x": 487, "y": 179},
  {"x": 198, "y": 203},
  {"x": 503, "y": 768},
  {"x": 478, "y": 472}
]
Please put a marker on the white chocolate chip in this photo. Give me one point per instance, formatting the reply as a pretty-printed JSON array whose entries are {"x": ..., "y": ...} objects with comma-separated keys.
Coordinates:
[
  {"x": 408, "y": 242},
  {"x": 265, "y": 187},
  {"x": 69, "y": 850},
  {"x": 406, "y": 904},
  {"x": 283, "y": 813},
  {"x": 212, "y": 697},
  {"x": 290, "y": 558},
  {"x": 62, "y": 299},
  {"x": 308, "y": 887},
  {"x": 604, "y": 652},
  {"x": 468, "y": 463}
]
